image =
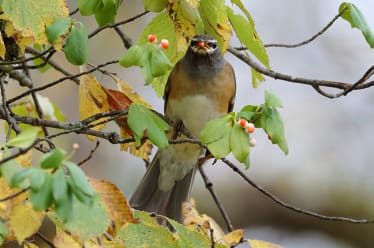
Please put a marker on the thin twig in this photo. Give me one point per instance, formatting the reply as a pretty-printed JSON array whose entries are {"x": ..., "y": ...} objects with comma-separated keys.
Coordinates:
[
  {"x": 5, "y": 110},
  {"x": 46, "y": 86},
  {"x": 45, "y": 239},
  {"x": 289, "y": 206},
  {"x": 311, "y": 38},
  {"x": 209, "y": 186},
  {"x": 39, "y": 111},
  {"x": 51, "y": 49},
  {"x": 20, "y": 152},
  {"x": 98, "y": 30},
  {"x": 9, "y": 197},
  {"x": 55, "y": 65},
  {"x": 126, "y": 40},
  {"x": 90, "y": 154},
  {"x": 316, "y": 84}
]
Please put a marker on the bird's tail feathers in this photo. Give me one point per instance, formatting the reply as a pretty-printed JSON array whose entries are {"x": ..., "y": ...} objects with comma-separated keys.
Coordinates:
[{"x": 150, "y": 198}]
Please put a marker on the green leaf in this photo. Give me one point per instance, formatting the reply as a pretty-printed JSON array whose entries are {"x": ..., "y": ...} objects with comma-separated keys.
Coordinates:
[
  {"x": 191, "y": 238},
  {"x": 215, "y": 129},
  {"x": 62, "y": 196},
  {"x": 16, "y": 175},
  {"x": 257, "y": 78},
  {"x": 216, "y": 135},
  {"x": 272, "y": 100},
  {"x": 79, "y": 184},
  {"x": 354, "y": 16},
  {"x": 136, "y": 55},
  {"x": 144, "y": 235},
  {"x": 88, "y": 221},
  {"x": 37, "y": 178},
  {"x": 52, "y": 159},
  {"x": 25, "y": 138},
  {"x": 3, "y": 232},
  {"x": 215, "y": 20},
  {"x": 41, "y": 199},
  {"x": 141, "y": 119},
  {"x": 272, "y": 123},
  {"x": 87, "y": 7},
  {"x": 154, "y": 5},
  {"x": 239, "y": 143},
  {"x": 76, "y": 46},
  {"x": 248, "y": 36},
  {"x": 159, "y": 63},
  {"x": 221, "y": 147},
  {"x": 59, "y": 27},
  {"x": 106, "y": 11}
]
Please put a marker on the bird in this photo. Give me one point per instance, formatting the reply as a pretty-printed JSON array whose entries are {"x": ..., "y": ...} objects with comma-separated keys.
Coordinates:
[{"x": 200, "y": 87}]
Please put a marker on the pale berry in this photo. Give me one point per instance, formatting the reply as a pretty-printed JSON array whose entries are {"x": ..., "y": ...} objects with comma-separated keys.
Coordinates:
[
  {"x": 243, "y": 123},
  {"x": 252, "y": 142},
  {"x": 250, "y": 127},
  {"x": 152, "y": 38},
  {"x": 28, "y": 107},
  {"x": 75, "y": 146},
  {"x": 164, "y": 44}
]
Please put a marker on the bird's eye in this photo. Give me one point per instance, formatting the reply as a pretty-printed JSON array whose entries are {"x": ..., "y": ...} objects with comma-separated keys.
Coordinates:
[
  {"x": 212, "y": 44},
  {"x": 194, "y": 43}
]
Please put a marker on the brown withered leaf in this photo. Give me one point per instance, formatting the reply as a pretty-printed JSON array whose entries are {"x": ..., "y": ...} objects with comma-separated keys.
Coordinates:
[
  {"x": 114, "y": 200},
  {"x": 121, "y": 100}
]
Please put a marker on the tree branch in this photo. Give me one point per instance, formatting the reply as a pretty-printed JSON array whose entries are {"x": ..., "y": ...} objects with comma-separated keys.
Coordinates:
[
  {"x": 98, "y": 30},
  {"x": 316, "y": 84},
  {"x": 209, "y": 186},
  {"x": 289, "y": 206},
  {"x": 46, "y": 86}
]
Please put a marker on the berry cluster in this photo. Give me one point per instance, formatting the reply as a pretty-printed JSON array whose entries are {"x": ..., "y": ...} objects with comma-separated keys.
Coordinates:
[
  {"x": 164, "y": 43},
  {"x": 249, "y": 128}
]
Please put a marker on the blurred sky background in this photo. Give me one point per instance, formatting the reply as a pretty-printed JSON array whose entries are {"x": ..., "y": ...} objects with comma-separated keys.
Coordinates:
[{"x": 330, "y": 165}]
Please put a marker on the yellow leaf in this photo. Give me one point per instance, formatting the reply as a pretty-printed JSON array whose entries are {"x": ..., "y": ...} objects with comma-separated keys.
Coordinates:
[
  {"x": 6, "y": 207},
  {"x": 2, "y": 47},
  {"x": 114, "y": 201},
  {"x": 233, "y": 237},
  {"x": 25, "y": 221},
  {"x": 25, "y": 159},
  {"x": 62, "y": 240},
  {"x": 144, "y": 151},
  {"x": 30, "y": 245},
  {"x": 130, "y": 93},
  {"x": 29, "y": 18},
  {"x": 92, "y": 100},
  {"x": 261, "y": 244},
  {"x": 202, "y": 222}
]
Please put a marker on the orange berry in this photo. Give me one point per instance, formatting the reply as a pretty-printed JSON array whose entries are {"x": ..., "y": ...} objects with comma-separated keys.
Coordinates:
[
  {"x": 250, "y": 128},
  {"x": 164, "y": 44},
  {"x": 243, "y": 123},
  {"x": 152, "y": 38}
]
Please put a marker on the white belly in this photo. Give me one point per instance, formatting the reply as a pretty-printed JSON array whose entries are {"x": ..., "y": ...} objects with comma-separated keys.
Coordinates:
[{"x": 179, "y": 159}]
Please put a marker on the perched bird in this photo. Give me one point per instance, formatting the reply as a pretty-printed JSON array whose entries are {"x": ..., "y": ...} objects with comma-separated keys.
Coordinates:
[{"x": 200, "y": 87}]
